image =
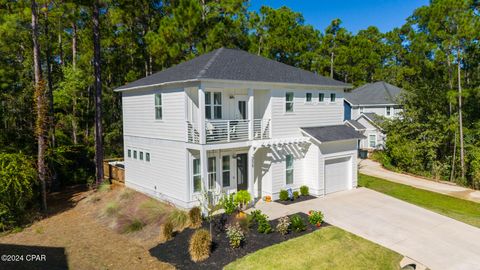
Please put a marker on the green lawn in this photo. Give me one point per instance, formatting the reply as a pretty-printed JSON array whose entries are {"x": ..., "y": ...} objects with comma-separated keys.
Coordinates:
[
  {"x": 328, "y": 248},
  {"x": 461, "y": 210}
]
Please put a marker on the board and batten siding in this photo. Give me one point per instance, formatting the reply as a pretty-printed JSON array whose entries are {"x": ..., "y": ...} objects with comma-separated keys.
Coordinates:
[
  {"x": 165, "y": 176},
  {"x": 139, "y": 114},
  {"x": 286, "y": 125}
]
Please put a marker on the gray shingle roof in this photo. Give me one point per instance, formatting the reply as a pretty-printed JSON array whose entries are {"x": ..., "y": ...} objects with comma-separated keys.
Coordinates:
[
  {"x": 375, "y": 93},
  {"x": 374, "y": 118},
  {"x": 333, "y": 133},
  {"x": 355, "y": 124},
  {"x": 234, "y": 64}
]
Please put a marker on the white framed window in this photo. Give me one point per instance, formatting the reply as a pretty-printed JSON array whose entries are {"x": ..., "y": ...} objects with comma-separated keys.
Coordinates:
[
  {"x": 226, "y": 171},
  {"x": 158, "y": 107},
  {"x": 372, "y": 140},
  {"x": 197, "y": 177},
  {"x": 289, "y": 102},
  {"x": 308, "y": 97},
  {"x": 321, "y": 97},
  {"x": 129, "y": 153},
  {"x": 361, "y": 109},
  {"x": 213, "y": 105},
  {"x": 135, "y": 154},
  {"x": 289, "y": 169},
  {"x": 212, "y": 172},
  {"x": 388, "y": 111},
  {"x": 141, "y": 155},
  {"x": 333, "y": 96},
  {"x": 147, "y": 157}
]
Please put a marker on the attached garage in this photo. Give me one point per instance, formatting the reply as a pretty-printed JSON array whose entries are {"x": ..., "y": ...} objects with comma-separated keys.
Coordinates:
[{"x": 338, "y": 174}]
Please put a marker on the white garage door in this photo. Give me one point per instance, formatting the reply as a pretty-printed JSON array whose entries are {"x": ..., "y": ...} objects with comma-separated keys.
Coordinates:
[{"x": 337, "y": 174}]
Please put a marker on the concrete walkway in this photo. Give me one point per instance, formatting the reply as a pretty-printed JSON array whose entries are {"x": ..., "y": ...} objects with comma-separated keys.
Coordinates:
[
  {"x": 436, "y": 241},
  {"x": 372, "y": 168}
]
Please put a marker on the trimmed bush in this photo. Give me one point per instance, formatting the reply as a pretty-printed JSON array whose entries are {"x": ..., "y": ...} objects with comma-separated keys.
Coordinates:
[
  {"x": 229, "y": 204},
  {"x": 235, "y": 235},
  {"x": 283, "y": 195},
  {"x": 297, "y": 224},
  {"x": 199, "y": 245},
  {"x": 263, "y": 224},
  {"x": 195, "y": 215},
  {"x": 304, "y": 191},
  {"x": 255, "y": 214},
  {"x": 295, "y": 195},
  {"x": 283, "y": 225},
  {"x": 167, "y": 231}
]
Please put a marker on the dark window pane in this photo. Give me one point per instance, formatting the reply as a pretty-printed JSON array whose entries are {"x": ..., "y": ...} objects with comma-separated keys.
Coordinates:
[
  {"x": 289, "y": 107},
  {"x": 289, "y": 96},
  {"x": 226, "y": 179},
  {"x": 158, "y": 113},
  {"x": 208, "y": 98},
  {"x": 211, "y": 180},
  {"x": 129, "y": 153},
  {"x": 290, "y": 177},
  {"x": 147, "y": 156},
  {"x": 309, "y": 97},
  {"x": 208, "y": 112},
  {"x": 141, "y": 155},
  {"x": 197, "y": 183},
  {"x": 218, "y": 112},
  {"x": 321, "y": 97},
  {"x": 134, "y": 153},
  {"x": 226, "y": 163},
  {"x": 158, "y": 99},
  {"x": 211, "y": 164},
  {"x": 196, "y": 166},
  {"x": 332, "y": 97},
  {"x": 217, "y": 98}
]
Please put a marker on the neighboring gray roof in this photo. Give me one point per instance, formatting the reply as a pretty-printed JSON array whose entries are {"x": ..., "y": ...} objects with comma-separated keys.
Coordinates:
[
  {"x": 355, "y": 124},
  {"x": 374, "y": 118},
  {"x": 333, "y": 133},
  {"x": 375, "y": 93},
  {"x": 234, "y": 64}
]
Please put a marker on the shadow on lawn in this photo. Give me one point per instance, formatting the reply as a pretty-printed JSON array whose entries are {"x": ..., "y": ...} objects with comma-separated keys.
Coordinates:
[
  {"x": 32, "y": 257},
  {"x": 66, "y": 199},
  {"x": 176, "y": 253}
]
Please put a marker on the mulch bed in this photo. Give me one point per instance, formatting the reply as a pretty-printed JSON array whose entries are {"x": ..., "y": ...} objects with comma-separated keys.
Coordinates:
[
  {"x": 176, "y": 253},
  {"x": 299, "y": 199}
]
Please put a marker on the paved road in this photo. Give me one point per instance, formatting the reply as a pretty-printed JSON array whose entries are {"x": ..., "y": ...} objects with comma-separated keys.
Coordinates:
[
  {"x": 434, "y": 240},
  {"x": 372, "y": 168}
]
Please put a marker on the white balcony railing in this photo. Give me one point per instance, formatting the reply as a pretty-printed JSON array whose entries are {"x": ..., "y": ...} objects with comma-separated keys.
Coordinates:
[{"x": 220, "y": 131}]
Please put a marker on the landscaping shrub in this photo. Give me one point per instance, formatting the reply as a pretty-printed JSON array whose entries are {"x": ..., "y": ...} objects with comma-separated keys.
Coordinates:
[
  {"x": 112, "y": 209},
  {"x": 199, "y": 245},
  {"x": 304, "y": 191},
  {"x": 229, "y": 204},
  {"x": 295, "y": 195},
  {"x": 297, "y": 224},
  {"x": 283, "y": 195},
  {"x": 242, "y": 198},
  {"x": 255, "y": 214},
  {"x": 17, "y": 177},
  {"x": 178, "y": 218},
  {"x": 263, "y": 224},
  {"x": 235, "y": 235},
  {"x": 135, "y": 225},
  {"x": 315, "y": 217},
  {"x": 283, "y": 225},
  {"x": 167, "y": 230},
  {"x": 195, "y": 215}
]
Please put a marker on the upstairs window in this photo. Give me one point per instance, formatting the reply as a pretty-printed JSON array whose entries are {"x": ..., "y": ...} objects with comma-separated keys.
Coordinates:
[
  {"x": 289, "y": 169},
  {"x": 141, "y": 155},
  {"x": 129, "y": 153},
  {"x": 333, "y": 96},
  {"x": 308, "y": 97},
  {"x": 147, "y": 157},
  {"x": 321, "y": 97},
  {"x": 213, "y": 105},
  {"x": 158, "y": 107},
  {"x": 361, "y": 109},
  {"x": 135, "y": 154},
  {"x": 388, "y": 111},
  {"x": 289, "y": 102}
]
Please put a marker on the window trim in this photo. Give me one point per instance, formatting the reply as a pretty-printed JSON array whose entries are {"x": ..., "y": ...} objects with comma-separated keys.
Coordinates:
[
  {"x": 388, "y": 111},
  {"x": 213, "y": 174},
  {"x": 306, "y": 97},
  {"x": 129, "y": 153},
  {"x": 333, "y": 97},
  {"x": 199, "y": 174},
  {"x": 369, "y": 140},
  {"x": 291, "y": 169},
  {"x": 147, "y": 156},
  {"x": 288, "y": 102},
  {"x": 210, "y": 105},
  {"x": 158, "y": 106},
  {"x": 225, "y": 171}
]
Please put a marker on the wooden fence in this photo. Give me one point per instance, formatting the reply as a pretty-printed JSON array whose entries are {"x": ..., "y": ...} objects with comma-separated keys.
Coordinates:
[{"x": 113, "y": 172}]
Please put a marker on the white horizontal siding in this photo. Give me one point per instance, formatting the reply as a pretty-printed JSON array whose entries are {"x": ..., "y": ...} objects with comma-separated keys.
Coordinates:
[
  {"x": 304, "y": 114},
  {"x": 165, "y": 176},
  {"x": 139, "y": 114}
]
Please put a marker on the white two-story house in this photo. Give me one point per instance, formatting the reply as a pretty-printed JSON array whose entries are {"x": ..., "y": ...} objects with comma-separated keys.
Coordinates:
[
  {"x": 367, "y": 106},
  {"x": 230, "y": 120}
]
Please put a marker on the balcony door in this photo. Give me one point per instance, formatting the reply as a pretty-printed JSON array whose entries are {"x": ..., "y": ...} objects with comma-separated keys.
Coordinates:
[{"x": 241, "y": 107}]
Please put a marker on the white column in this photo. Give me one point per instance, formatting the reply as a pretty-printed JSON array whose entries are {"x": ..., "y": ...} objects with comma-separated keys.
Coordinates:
[
  {"x": 250, "y": 113},
  {"x": 204, "y": 168},
  {"x": 251, "y": 171},
  {"x": 201, "y": 115}
]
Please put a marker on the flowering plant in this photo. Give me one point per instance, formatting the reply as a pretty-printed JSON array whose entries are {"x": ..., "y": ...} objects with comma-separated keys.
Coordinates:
[{"x": 315, "y": 217}]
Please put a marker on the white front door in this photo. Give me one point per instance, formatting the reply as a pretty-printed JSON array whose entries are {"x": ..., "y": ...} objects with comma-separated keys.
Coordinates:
[{"x": 337, "y": 174}]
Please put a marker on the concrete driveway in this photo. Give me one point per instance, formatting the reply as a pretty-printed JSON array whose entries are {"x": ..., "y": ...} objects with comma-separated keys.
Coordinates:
[{"x": 434, "y": 240}]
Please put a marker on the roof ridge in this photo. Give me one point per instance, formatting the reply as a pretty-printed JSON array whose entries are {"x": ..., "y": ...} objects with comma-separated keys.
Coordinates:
[
  {"x": 209, "y": 63},
  {"x": 388, "y": 92}
]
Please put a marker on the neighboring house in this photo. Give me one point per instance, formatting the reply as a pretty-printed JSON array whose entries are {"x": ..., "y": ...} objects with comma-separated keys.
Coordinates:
[
  {"x": 367, "y": 106},
  {"x": 232, "y": 120}
]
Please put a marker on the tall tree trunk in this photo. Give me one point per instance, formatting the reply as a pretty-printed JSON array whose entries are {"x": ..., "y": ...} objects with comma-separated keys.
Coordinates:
[
  {"x": 74, "y": 66},
  {"x": 98, "y": 94},
  {"x": 460, "y": 120},
  {"x": 41, "y": 104},
  {"x": 331, "y": 64},
  {"x": 450, "y": 84},
  {"x": 74, "y": 45}
]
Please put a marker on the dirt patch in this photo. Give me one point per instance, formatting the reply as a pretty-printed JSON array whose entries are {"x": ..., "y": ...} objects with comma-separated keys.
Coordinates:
[
  {"x": 175, "y": 251},
  {"x": 74, "y": 229}
]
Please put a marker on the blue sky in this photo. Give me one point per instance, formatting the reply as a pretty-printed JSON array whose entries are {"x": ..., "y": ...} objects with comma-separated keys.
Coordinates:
[{"x": 355, "y": 14}]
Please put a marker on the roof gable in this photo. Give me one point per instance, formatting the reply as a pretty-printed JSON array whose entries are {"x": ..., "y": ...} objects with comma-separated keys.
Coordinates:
[
  {"x": 375, "y": 94},
  {"x": 234, "y": 64}
]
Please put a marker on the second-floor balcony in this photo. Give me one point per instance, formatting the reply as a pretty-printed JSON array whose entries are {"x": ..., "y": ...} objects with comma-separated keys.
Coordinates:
[{"x": 223, "y": 131}]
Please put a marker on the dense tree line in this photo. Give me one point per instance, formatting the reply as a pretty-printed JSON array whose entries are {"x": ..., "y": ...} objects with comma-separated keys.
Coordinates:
[{"x": 435, "y": 56}]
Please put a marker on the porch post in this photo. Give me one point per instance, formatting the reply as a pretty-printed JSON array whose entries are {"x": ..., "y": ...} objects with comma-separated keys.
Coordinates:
[
  {"x": 204, "y": 168},
  {"x": 251, "y": 173},
  {"x": 201, "y": 115},
  {"x": 250, "y": 113}
]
